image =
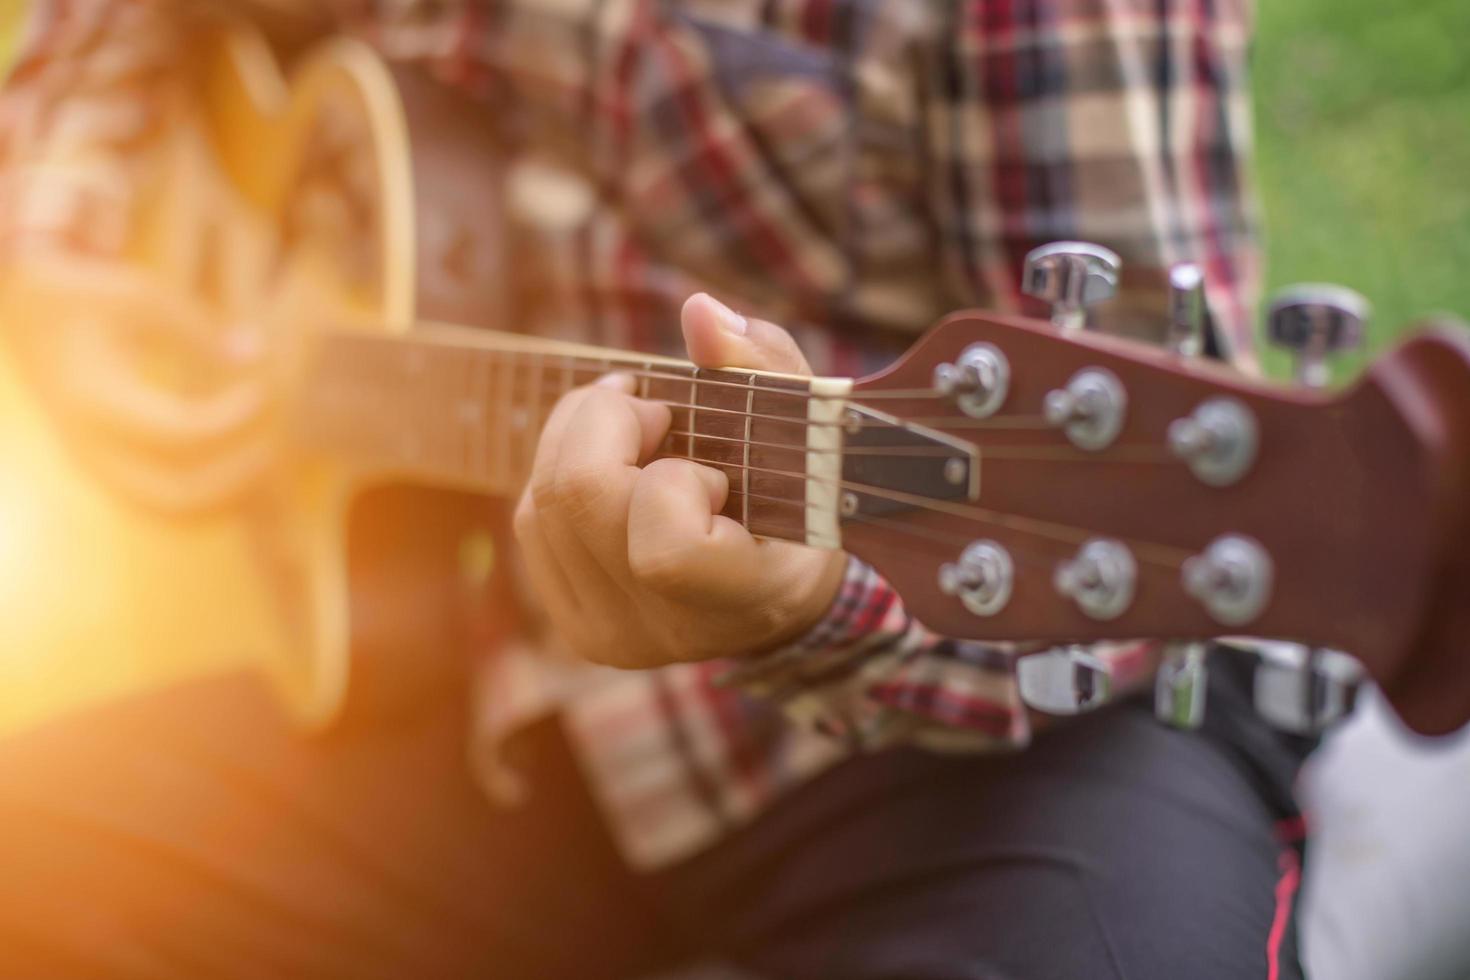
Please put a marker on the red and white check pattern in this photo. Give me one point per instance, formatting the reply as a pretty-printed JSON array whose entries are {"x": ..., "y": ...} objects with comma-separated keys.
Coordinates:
[{"x": 851, "y": 168}]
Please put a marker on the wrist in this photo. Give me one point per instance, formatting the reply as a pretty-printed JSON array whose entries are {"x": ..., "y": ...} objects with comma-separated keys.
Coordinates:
[{"x": 797, "y": 612}]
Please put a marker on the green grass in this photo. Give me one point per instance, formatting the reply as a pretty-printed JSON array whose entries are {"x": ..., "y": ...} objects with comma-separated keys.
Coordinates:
[{"x": 1363, "y": 148}]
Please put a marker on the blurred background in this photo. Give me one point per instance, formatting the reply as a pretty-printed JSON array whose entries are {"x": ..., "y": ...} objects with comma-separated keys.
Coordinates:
[
  {"x": 1363, "y": 127},
  {"x": 1363, "y": 157},
  {"x": 1363, "y": 167}
]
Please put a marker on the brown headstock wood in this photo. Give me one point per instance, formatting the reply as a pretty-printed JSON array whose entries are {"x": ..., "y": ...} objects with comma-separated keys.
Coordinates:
[{"x": 1360, "y": 499}]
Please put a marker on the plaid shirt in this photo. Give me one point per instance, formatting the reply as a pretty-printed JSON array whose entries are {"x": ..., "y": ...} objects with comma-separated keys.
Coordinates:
[{"x": 850, "y": 168}]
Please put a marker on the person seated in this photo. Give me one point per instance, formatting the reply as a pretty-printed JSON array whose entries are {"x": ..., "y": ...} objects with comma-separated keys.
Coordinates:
[{"x": 781, "y": 767}]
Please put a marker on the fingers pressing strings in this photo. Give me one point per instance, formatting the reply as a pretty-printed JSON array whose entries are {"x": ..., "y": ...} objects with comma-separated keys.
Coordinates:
[{"x": 625, "y": 380}]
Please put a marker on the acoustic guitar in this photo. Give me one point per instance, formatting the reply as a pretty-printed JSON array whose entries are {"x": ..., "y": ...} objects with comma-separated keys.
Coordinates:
[{"x": 1014, "y": 479}]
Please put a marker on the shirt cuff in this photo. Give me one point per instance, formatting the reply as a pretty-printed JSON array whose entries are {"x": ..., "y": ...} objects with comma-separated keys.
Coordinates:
[{"x": 870, "y": 673}]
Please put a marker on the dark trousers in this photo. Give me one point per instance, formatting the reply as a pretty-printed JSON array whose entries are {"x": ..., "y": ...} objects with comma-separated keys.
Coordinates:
[{"x": 191, "y": 834}]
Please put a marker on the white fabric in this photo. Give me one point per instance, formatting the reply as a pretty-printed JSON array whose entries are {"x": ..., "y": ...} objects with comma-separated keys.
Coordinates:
[{"x": 1387, "y": 889}]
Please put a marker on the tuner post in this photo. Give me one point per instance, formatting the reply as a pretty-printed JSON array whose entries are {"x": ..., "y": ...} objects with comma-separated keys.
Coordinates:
[
  {"x": 1299, "y": 688},
  {"x": 978, "y": 381},
  {"x": 1100, "y": 580},
  {"x": 1090, "y": 410},
  {"x": 982, "y": 579},
  {"x": 1316, "y": 321},
  {"x": 1231, "y": 578},
  {"x": 1186, "y": 310},
  {"x": 1219, "y": 441},
  {"x": 1071, "y": 276},
  {"x": 1304, "y": 690},
  {"x": 1179, "y": 686},
  {"x": 1068, "y": 680}
]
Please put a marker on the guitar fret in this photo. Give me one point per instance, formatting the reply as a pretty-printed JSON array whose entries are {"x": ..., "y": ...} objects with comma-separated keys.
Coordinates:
[
  {"x": 745, "y": 452},
  {"x": 693, "y": 413},
  {"x": 409, "y": 438},
  {"x": 535, "y": 418},
  {"x": 480, "y": 394},
  {"x": 438, "y": 431},
  {"x": 469, "y": 415},
  {"x": 568, "y": 373},
  {"x": 503, "y": 422},
  {"x": 777, "y": 475}
]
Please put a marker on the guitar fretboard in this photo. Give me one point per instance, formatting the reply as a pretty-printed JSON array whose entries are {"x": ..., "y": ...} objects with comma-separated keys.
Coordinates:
[{"x": 461, "y": 407}]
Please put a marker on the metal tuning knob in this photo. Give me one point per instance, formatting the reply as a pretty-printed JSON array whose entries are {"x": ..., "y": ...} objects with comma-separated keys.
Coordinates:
[
  {"x": 1179, "y": 686},
  {"x": 1218, "y": 441},
  {"x": 978, "y": 381},
  {"x": 1303, "y": 690},
  {"x": 1065, "y": 681},
  {"x": 982, "y": 579},
  {"x": 1071, "y": 276},
  {"x": 1090, "y": 410},
  {"x": 1186, "y": 310},
  {"x": 1231, "y": 578},
  {"x": 1100, "y": 580},
  {"x": 1315, "y": 321}
]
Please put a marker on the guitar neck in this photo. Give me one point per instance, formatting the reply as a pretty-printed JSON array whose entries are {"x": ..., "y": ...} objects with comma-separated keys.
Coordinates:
[{"x": 455, "y": 406}]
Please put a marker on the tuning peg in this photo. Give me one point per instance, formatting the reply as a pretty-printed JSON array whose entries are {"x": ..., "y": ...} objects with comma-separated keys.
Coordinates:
[
  {"x": 1186, "y": 309},
  {"x": 982, "y": 579},
  {"x": 1303, "y": 690},
  {"x": 1071, "y": 276},
  {"x": 1179, "y": 686},
  {"x": 1065, "y": 681},
  {"x": 1316, "y": 321},
  {"x": 978, "y": 381}
]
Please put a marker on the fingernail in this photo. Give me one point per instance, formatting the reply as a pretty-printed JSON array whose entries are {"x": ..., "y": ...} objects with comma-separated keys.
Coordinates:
[
  {"x": 731, "y": 321},
  {"x": 618, "y": 380}
]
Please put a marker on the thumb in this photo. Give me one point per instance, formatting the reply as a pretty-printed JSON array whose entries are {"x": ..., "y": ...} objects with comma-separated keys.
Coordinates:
[{"x": 718, "y": 337}]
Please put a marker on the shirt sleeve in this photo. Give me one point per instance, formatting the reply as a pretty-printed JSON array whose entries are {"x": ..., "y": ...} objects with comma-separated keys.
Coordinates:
[{"x": 872, "y": 674}]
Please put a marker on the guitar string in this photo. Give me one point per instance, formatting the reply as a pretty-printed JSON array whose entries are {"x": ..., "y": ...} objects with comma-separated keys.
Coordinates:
[
  {"x": 1132, "y": 453},
  {"x": 912, "y": 394},
  {"x": 1161, "y": 554},
  {"x": 1164, "y": 554},
  {"x": 602, "y": 367},
  {"x": 998, "y": 422},
  {"x": 1152, "y": 552},
  {"x": 937, "y": 543},
  {"x": 1146, "y": 551},
  {"x": 934, "y": 543},
  {"x": 633, "y": 366}
]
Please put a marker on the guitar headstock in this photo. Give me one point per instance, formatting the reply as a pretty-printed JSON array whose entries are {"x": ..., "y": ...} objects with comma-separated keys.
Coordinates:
[{"x": 1115, "y": 490}]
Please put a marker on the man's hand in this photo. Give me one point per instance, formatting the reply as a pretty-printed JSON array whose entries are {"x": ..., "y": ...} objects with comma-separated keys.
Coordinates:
[{"x": 631, "y": 558}]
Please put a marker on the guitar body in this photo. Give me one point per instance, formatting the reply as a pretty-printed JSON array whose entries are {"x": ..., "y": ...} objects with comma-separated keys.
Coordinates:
[{"x": 101, "y": 596}]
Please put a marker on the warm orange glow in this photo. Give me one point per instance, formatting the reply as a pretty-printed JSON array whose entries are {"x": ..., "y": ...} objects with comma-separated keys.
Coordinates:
[{"x": 106, "y": 587}]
